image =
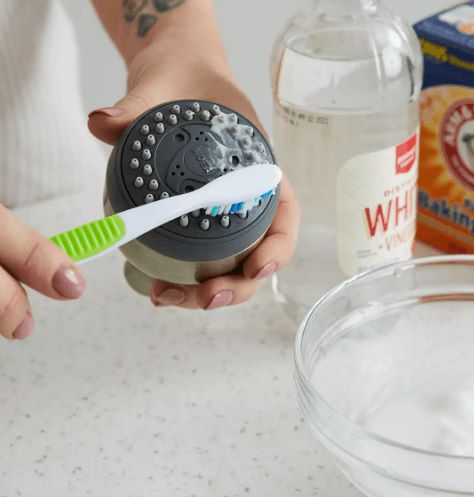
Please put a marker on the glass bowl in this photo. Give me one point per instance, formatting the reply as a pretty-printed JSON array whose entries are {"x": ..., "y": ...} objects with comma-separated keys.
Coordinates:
[{"x": 385, "y": 377}]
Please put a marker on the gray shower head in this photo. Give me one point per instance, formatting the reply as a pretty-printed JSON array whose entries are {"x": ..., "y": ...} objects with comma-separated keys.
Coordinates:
[{"x": 176, "y": 148}]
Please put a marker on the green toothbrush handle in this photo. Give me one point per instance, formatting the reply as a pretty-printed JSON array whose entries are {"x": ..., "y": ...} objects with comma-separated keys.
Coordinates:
[{"x": 91, "y": 239}]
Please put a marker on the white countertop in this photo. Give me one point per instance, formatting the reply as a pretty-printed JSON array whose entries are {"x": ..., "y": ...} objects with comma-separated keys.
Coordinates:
[{"x": 114, "y": 398}]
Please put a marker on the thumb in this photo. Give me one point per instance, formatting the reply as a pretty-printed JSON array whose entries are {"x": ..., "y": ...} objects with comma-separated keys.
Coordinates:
[{"x": 108, "y": 123}]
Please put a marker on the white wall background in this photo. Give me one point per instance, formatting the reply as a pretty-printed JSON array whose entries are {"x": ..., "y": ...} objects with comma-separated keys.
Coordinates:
[{"x": 249, "y": 28}]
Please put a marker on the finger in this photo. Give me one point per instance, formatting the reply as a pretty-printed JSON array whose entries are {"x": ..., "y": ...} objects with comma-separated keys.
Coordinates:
[
  {"x": 16, "y": 321},
  {"x": 169, "y": 294},
  {"x": 279, "y": 244},
  {"x": 108, "y": 124},
  {"x": 37, "y": 262},
  {"x": 217, "y": 292}
]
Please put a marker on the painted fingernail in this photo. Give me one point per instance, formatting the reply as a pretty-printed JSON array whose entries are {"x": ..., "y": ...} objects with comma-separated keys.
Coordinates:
[
  {"x": 266, "y": 271},
  {"x": 69, "y": 282},
  {"x": 222, "y": 299},
  {"x": 171, "y": 296},
  {"x": 107, "y": 111},
  {"x": 25, "y": 329}
]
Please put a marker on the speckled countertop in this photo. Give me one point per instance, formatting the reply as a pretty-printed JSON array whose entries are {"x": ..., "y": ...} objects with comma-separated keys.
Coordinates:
[{"x": 114, "y": 398}]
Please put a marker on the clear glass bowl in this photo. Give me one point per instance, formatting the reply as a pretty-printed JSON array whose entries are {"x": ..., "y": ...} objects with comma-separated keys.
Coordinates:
[{"x": 385, "y": 377}]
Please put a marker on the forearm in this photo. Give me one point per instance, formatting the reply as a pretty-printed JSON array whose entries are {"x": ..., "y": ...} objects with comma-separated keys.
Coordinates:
[{"x": 167, "y": 29}]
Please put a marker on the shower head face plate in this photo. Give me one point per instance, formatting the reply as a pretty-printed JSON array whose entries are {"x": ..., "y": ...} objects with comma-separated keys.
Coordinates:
[{"x": 179, "y": 147}]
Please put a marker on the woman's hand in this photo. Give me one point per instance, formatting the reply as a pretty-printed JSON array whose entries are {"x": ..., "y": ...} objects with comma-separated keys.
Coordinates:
[
  {"x": 178, "y": 58},
  {"x": 151, "y": 84},
  {"x": 26, "y": 257}
]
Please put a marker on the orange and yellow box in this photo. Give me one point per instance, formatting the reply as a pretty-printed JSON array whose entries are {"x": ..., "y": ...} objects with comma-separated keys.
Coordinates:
[{"x": 446, "y": 182}]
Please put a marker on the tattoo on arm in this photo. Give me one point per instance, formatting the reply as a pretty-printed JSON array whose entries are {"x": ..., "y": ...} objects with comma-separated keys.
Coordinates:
[
  {"x": 145, "y": 12},
  {"x": 145, "y": 23}
]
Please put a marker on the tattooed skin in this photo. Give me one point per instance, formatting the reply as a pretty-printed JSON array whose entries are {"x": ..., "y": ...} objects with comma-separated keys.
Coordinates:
[
  {"x": 164, "y": 5},
  {"x": 145, "y": 12},
  {"x": 131, "y": 8},
  {"x": 145, "y": 23}
]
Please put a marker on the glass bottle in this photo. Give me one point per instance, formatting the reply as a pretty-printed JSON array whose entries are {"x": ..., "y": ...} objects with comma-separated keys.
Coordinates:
[{"x": 346, "y": 77}]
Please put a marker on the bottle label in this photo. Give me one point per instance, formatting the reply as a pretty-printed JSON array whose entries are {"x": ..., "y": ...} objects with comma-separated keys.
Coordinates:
[{"x": 376, "y": 207}]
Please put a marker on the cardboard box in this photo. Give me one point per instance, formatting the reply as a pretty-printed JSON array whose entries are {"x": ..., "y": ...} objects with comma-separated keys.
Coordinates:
[{"x": 446, "y": 184}]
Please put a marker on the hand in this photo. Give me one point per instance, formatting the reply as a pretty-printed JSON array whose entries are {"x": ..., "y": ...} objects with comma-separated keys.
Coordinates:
[
  {"x": 26, "y": 257},
  {"x": 151, "y": 83}
]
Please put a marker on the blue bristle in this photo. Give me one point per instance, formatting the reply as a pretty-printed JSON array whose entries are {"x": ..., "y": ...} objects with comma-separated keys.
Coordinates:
[
  {"x": 236, "y": 207},
  {"x": 268, "y": 194},
  {"x": 215, "y": 210}
]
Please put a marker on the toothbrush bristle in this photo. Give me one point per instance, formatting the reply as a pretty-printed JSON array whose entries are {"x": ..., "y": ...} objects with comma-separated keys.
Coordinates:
[{"x": 238, "y": 208}]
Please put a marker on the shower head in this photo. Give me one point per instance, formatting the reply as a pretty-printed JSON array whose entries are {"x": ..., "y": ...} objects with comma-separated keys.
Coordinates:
[{"x": 176, "y": 148}]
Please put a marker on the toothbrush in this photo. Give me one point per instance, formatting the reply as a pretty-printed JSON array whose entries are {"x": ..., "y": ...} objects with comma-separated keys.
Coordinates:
[{"x": 235, "y": 192}]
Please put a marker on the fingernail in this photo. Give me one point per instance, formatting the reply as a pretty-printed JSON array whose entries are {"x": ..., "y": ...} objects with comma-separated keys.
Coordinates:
[
  {"x": 107, "y": 111},
  {"x": 69, "y": 282},
  {"x": 222, "y": 299},
  {"x": 171, "y": 296},
  {"x": 26, "y": 327},
  {"x": 266, "y": 271}
]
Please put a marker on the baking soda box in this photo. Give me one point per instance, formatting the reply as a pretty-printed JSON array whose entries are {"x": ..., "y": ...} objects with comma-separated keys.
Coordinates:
[{"x": 446, "y": 183}]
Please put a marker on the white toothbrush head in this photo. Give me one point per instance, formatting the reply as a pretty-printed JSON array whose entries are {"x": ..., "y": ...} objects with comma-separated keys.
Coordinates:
[{"x": 241, "y": 190}]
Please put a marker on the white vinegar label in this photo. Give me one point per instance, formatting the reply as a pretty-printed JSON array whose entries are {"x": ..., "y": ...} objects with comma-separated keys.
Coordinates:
[{"x": 376, "y": 207}]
